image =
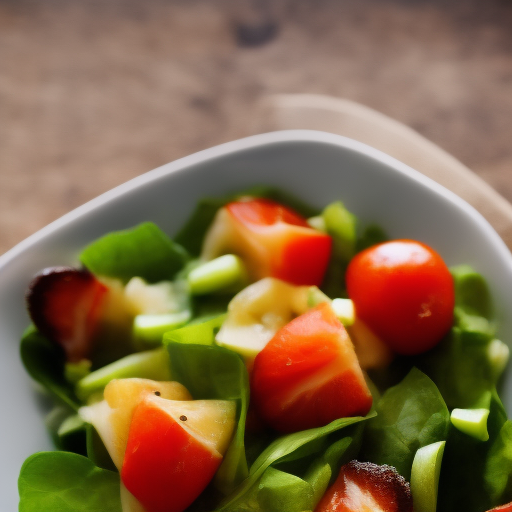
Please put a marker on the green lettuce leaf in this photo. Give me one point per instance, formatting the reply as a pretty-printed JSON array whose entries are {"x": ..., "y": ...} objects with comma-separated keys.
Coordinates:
[
  {"x": 285, "y": 449},
  {"x": 45, "y": 363},
  {"x": 212, "y": 372},
  {"x": 144, "y": 251},
  {"x": 410, "y": 415},
  {"x": 66, "y": 482},
  {"x": 192, "y": 234}
]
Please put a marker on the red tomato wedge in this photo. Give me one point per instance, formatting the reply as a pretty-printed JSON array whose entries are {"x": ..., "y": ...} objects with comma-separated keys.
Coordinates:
[
  {"x": 174, "y": 449},
  {"x": 308, "y": 374},
  {"x": 367, "y": 487},
  {"x": 273, "y": 241},
  {"x": 502, "y": 508},
  {"x": 404, "y": 292}
]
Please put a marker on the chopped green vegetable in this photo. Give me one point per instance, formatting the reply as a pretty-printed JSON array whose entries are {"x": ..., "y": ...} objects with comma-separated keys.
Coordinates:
[
  {"x": 216, "y": 275},
  {"x": 472, "y": 422},
  {"x": 144, "y": 251},
  {"x": 152, "y": 364},
  {"x": 342, "y": 226},
  {"x": 149, "y": 329},
  {"x": 426, "y": 468}
]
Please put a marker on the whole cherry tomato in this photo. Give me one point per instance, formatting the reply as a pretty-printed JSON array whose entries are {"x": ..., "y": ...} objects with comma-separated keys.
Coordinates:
[{"x": 404, "y": 292}]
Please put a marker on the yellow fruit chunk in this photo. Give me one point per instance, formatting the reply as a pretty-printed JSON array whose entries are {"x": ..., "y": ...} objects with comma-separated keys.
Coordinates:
[
  {"x": 258, "y": 312},
  {"x": 112, "y": 416},
  {"x": 211, "y": 422}
]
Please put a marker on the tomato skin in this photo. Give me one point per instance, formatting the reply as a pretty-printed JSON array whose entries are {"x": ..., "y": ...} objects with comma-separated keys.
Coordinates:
[
  {"x": 502, "y": 508},
  {"x": 164, "y": 467},
  {"x": 404, "y": 292},
  {"x": 308, "y": 374},
  {"x": 278, "y": 242}
]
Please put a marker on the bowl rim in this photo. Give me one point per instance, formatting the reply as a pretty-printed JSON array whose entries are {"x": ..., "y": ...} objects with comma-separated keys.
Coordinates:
[{"x": 248, "y": 143}]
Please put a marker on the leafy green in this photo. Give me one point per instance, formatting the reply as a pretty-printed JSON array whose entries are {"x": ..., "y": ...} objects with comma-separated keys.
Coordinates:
[
  {"x": 462, "y": 365},
  {"x": 209, "y": 371},
  {"x": 192, "y": 234},
  {"x": 372, "y": 235},
  {"x": 410, "y": 415},
  {"x": 66, "y": 482},
  {"x": 341, "y": 225},
  {"x": 287, "y": 448},
  {"x": 296, "y": 490},
  {"x": 471, "y": 291},
  {"x": 67, "y": 429},
  {"x": 45, "y": 363},
  {"x": 283, "y": 492},
  {"x": 144, "y": 251},
  {"x": 96, "y": 449},
  {"x": 476, "y": 475}
]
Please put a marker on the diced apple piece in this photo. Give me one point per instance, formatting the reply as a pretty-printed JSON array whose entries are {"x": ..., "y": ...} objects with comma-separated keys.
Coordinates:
[
  {"x": 425, "y": 471},
  {"x": 371, "y": 351},
  {"x": 154, "y": 299},
  {"x": 174, "y": 449},
  {"x": 258, "y": 312},
  {"x": 472, "y": 422}
]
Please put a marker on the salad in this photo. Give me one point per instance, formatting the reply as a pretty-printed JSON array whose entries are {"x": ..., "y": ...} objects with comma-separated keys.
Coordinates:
[{"x": 269, "y": 358}]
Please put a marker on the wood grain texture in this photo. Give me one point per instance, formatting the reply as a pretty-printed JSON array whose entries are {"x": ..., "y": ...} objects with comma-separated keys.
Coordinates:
[{"x": 93, "y": 93}]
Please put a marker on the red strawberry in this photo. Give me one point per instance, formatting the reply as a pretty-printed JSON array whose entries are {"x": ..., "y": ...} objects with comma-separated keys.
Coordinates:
[
  {"x": 367, "y": 487},
  {"x": 503, "y": 508},
  {"x": 65, "y": 305}
]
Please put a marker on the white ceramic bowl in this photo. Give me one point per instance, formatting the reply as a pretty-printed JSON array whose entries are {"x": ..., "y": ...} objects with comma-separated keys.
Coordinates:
[{"x": 317, "y": 167}]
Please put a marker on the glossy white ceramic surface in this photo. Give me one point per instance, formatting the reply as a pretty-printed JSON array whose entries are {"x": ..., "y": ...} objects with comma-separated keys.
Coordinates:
[{"x": 317, "y": 167}]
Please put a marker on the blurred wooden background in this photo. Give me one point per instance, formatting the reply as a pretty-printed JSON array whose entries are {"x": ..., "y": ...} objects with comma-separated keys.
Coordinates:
[{"x": 95, "y": 92}]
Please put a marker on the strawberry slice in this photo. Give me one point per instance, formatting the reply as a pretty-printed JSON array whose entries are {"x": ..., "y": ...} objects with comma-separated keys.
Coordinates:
[
  {"x": 65, "y": 305},
  {"x": 367, "y": 487},
  {"x": 502, "y": 508}
]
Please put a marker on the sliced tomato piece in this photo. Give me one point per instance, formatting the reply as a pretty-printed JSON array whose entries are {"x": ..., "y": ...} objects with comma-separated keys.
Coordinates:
[
  {"x": 502, "y": 508},
  {"x": 65, "y": 305},
  {"x": 174, "y": 450},
  {"x": 308, "y": 374},
  {"x": 273, "y": 241},
  {"x": 367, "y": 487}
]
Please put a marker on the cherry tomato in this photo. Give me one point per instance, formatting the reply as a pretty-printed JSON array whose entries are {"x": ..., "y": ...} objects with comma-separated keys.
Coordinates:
[{"x": 404, "y": 292}]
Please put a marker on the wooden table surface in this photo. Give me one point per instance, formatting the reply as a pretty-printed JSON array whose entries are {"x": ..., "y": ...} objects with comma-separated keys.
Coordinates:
[{"x": 95, "y": 92}]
